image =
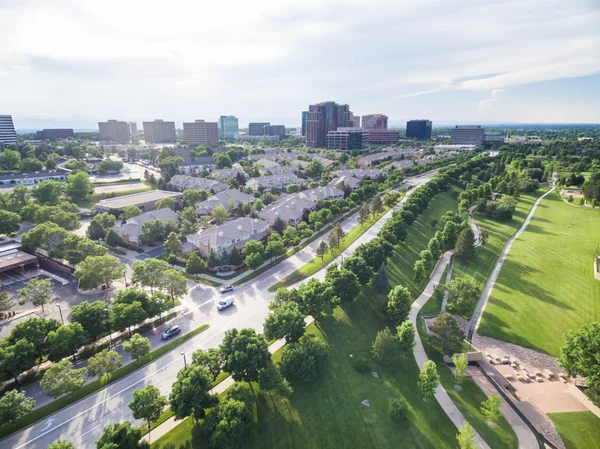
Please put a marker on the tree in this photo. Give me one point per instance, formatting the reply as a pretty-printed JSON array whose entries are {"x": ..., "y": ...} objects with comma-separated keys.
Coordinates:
[
  {"x": 10, "y": 160},
  {"x": 60, "y": 379},
  {"x": 35, "y": 331},
  {"x": 149, "y": 273},
  {"x": 491, "y": 408},
  {"x": 16, "y": 358},
  {"x": 235, "y": 256},
  {"x": 38, "y": 291},
  {"x": 147, "y": 404},
  {"x": 172, "y": 244},
  {"x": 190, "y": 394},
  {"x": 344, "y": 282},
  {"x": 359, "y": 267},
  {"x": 338, "y": 234},
  {"x": 193, "y": 196},
  {"x": 222, "y": 160},
  {"x": 462, "y": 295},
  {"x": 61, "y": 444},
  {"x": 376, "y": 205},
  {"x": 9, "y": 222},
  {"x": 254, "y": 260},
  {"x": 302, "y": 361},
  {"x": 286, "y": 321},
  {"x": 467, "y": 438},
  {"x": 166, "y": 203},
  {"x": 228, "y": 423},
  {"x": 385, "y": 347},
  {"x": 244, "y": 354},
  {"x": 419, "y": 270},
  {"x": 579, "y": 355},
  {"x": 322, "y": 249},
  {"x": 48, "y": 192},
  {"x": 275, "y": 248},
  {"x": 399, "y": 302},
  {"x": 137, "y": 346},
  {"x": 464, "y": 244},
  {"x": 381, "y": 283},
  {"x": 446, "y": 334},
  {"x": 363, "y": 214},
  {"x": 271, "y": 381},
  {"x": 461, "y": 361},
  {"x": 100, "y": 225},
  {"x": 210, "y": 359},
  {"x": 80, "y": 248},
  {"x": 93, "y": 317},
  {"x": 219, "y": 215},
  {"x": 96, "y": 271},
  {"x": 113, "y": 239},
  {"x": 428, "y": 379},
  {"x": 122, "y": 435},
  {"x": 130, "y": 212},
  {"x": 406, "y": 336},
  {"x": 6, "y": 303},
  {"x": 151, "y": 230},
  {"x": 66, "y": 340},
  {"x": 427, "y": 259},
  {"x": 253, "y": 247},
  {"x": 195, "y": 265},
  {"x": 78, "y": 187},
  {"x": 126, "y": 315},
  {"x": 317, "y": 298},
  {"x": 174, "y": 284},
  {"x": 13, "y": 405},
  {"x": 104, "y": 363}
]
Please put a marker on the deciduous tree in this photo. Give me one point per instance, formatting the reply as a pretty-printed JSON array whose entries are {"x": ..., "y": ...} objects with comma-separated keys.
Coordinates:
[
  {"x": 359, "y": 267},
  {"x": 285, "y": 321},
  {"x": 491, "y": 408},
  {"x": 93, "y": 317},
  {"x": 137, "y": 346},
  {"x": 301, "y": 362},
  {"x": 428, "y": 379},
  {"x": 399, "y": 302},
  {"x": 446, "y": 334},
  {"x": 210, "y": 359},
  {"x": 147, "y": 404},
  {"x": 579, "y": 355},
  {"x": 79, "y": 187},
  {"x": 385, "y": 347},
  {"x": 149, "y": 273},
  {"x": 13, "y": 405},
  {"x": 174, "y": 284},
  {"x": 190, "y": 394},
  {"x": 219, "y": 215},
  {"x": 344, "y": 282},
  {"x": 406, "y": 336},
  {"x": 38, "y": 291},
  {"x": 96, "y": 271},
  {"x": 467, "y": 438},
  {"x": 66, "y": 340},
  {"x": 461, "y": 361},
  {"x": 464, "y": 244},
  {"x": 60, "y": 379},
  {"x": 9, "y": 222},
  {"x": 104, "y": 363},
  {"x": 122, "y": 435},
  {"x": 317, "y": 298}
]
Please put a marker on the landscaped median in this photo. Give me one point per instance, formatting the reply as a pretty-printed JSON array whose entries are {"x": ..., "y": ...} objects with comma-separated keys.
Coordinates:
[{"x": 94, "y": 386}]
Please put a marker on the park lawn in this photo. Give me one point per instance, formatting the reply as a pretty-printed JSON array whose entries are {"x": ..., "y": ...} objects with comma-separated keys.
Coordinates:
[
  {"x": 578, "y": 430},
  {"x": 547, "y": 286},
  {"x": 480, "y": 267}
]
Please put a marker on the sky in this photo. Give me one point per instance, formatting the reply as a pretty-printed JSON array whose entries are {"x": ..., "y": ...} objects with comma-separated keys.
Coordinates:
[{"x": 71, "y": 63}]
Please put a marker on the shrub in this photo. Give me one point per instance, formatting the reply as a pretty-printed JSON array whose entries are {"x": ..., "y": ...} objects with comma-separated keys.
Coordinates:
[
  {"x": 362, "y": 364},
  {"x": 398, "y": 411}
]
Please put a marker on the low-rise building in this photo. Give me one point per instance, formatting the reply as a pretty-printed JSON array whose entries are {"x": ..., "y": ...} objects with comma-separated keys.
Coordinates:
[
  {"x": 345, "y": 182},
  {"x": 267, "y": 163},
  {"x": 279, "y": 182},
  {"x": 197, "y": 164},
  {"x": 224, "y": 237},
  {"x": 323, "y": 193},
  {"x": 281, "y": 170},
  {"x": 300, "y": 163},
  {"x": 348, "y": 139},
  {"x": 377, "y": 158},
  {"x": 227, "y": 173},
  {"x": 131, "y": 230},
  {"x": 402, "y": 165},
  {"x": 185, "y": 182},
  {"x": 146, "y": 201},
  {"x": 30, "y": 179},
  {"x": 493, "y": 137},
  {"x": 230, "y": 199},
  {"x": 467, "y": 134},
  {"x": 383, "y": 136},
  {"x": 58, "y": 133},
  {"x": 291, "y": 210},
  {"x": 372, "y": 173}
]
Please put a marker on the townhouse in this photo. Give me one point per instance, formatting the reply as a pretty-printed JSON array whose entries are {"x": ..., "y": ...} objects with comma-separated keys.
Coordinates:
[
  {"x": 185, "y": 182},
  {"x": 230, "y": 199},
  {"x": 131, "y": 230}
]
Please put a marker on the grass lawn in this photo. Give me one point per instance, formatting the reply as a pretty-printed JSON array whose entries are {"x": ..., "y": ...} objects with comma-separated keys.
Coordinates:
[
  {"x": 547, "y": 286},
  {"x": 94, "y": 386},
  {"x": 480, "y": 267},
  {"x": 578, "y": 430}
]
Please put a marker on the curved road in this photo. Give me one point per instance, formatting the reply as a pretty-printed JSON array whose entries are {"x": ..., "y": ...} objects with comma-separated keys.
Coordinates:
[{"x": 82, "y": 422}]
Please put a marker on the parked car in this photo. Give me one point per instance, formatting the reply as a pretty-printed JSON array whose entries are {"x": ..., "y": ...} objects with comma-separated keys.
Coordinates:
[
  {"x": 171, "y": 332},
  {"x": 224, "y": 303},
  {"x": 226, "y": 288}
]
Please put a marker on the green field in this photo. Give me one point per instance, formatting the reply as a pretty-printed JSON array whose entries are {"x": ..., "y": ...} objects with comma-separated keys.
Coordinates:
[
  {"x": 578, "y": 430},
  {"x": 480, "y": 267},
  {"x": 546, "y": 286}
]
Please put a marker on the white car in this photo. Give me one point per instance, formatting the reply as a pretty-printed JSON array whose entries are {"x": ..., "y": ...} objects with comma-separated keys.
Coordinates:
[
  {"x": 224, "y": 303},
  {"x": 226, "y": 288}
]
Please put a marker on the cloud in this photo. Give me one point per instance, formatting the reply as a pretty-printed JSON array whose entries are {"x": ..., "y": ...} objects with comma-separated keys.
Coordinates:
[{"x": 488, "y": 103}]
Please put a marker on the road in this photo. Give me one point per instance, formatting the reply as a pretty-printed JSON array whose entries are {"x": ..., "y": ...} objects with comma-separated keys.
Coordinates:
[{"x": 82, "y": 422}]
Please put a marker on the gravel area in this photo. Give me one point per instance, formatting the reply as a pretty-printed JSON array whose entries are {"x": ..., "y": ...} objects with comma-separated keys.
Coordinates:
[{"x": 551, "y": 434}]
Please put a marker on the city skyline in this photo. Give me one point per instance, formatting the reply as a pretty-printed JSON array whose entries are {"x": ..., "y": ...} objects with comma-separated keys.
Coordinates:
[{"x": 469, "y": 63}]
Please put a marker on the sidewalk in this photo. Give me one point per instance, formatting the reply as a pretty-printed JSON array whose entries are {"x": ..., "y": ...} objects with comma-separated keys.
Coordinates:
[{"x": 171, "y": 423}]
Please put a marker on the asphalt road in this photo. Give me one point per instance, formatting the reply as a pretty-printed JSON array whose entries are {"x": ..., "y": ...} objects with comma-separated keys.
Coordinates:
[{"x": 82, "y": 422}]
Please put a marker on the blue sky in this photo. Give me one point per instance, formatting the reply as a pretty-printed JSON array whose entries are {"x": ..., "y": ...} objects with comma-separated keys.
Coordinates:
[{"x": 74, "y": 62}]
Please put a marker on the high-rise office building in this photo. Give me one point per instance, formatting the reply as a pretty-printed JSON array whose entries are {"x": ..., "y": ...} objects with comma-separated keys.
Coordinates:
[
  {"x": 383, "y": 136},
  {"x": 467, "y": 135},
  {"x": 374, "y": 121},
  {"x": 57, "y": 133},
  {"x": 133, "y": 128},
  {"x": 8, "y": 134},
  {"x": 325, "y": 117},
  {"x": 348, "y": 139},
  {"x": 277, "y": 130},
  {"x": 228, "y": 127},
  {"x": 304, "y": 116},
  {"x": 259, "y": 129},
  {"x": 160, "y": 131},
  {"x": 418, "y": 129},
  {"x": 200, "y": 132},
  {"x": 114, "y": 130}
]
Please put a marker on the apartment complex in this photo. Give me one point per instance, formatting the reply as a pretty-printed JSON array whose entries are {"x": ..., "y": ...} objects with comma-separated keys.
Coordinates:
[
  {"x": 374, "y": 121},
  {"x": 160, "y": 131},
  {"x": 228, "y": 127},
  {"x": 133, "y": 128},
  {"x": 418, "y": 129},
  {"x": 200, "y": 132},
  {"x": 323, "y": 118},
  {"x": 467, "y": 135},
  {"x": 8, "y": 134},
  {"x": 114, "y": 131},
  {"x": 58, "y": 133},
  {"x": 348, "y": 139}
]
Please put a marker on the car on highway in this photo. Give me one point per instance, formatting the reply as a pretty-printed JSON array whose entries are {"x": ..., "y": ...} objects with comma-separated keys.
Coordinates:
[
  {"x": 224, "y": 303},
  {"x": 226, "y": 288},
  {"x": 171, "y": 332}
]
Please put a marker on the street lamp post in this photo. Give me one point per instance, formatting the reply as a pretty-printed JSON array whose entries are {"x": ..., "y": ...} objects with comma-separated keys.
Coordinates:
[
  {"x": 184, "y": 359},
  {"x": 61, "y": 315},
  {"x": 109, "y": 329}
]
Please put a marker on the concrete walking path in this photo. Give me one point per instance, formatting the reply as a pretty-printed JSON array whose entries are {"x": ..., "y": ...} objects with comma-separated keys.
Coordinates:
[
  {"x": 487, "y": 291},
  {"x": 475, "y": 227},
  {"x": 448, "y": 280}
]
